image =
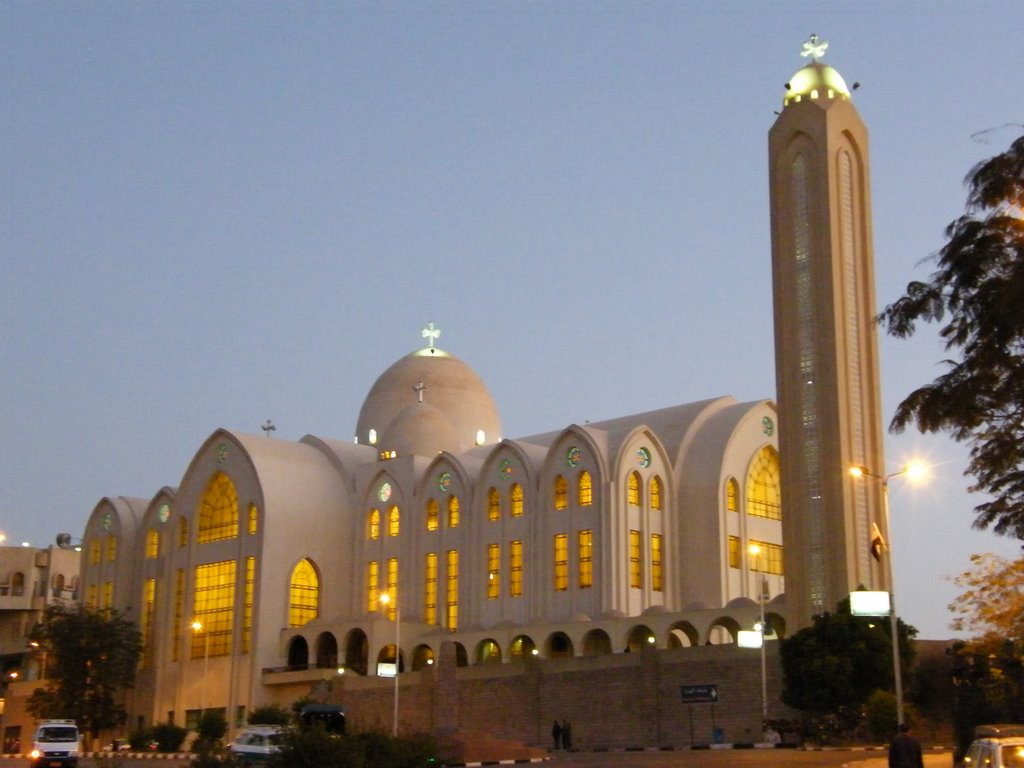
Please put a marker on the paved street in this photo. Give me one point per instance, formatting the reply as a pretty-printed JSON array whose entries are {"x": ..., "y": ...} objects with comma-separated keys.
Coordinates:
[{"x": 774, "y": 758}]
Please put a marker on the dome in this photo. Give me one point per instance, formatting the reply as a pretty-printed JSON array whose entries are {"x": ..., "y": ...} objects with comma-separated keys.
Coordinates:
[
  {"x": 419, "y": 430},
  {"x": 815, "y": 81},
  {"x": 461, "y": 414}
]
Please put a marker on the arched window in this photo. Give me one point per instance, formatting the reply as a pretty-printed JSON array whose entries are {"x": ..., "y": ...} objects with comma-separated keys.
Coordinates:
[
  {"x": 634, "y": 489},
  {"x": 432, "y": 515},
  {"x": 183, "y": 531},
  {"x": 586, "y": 489},
  {"x": 517, "y": 500},
  {"x": 303, "y": 595},
  {"x": 655, "y": 491},
  {"x": 254, "y": 519},
  {"x": 764, "y": 498},
  {"x": 152, "y": 543},
  {"x": 218, "y": 510},
  {"x": 453, "y": 511},
  {"x": 393, "y": 519},
  {"x": 493, "y": 504},
  {"x": 111, "y": 548},
  {"x": 373, "y": 525},
  {"x": 732, "y": 495},
  {"x": 561, "y": 493}
]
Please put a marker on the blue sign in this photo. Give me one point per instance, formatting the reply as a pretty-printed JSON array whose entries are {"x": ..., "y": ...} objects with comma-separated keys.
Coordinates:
[{"x": 699, "y": 694}]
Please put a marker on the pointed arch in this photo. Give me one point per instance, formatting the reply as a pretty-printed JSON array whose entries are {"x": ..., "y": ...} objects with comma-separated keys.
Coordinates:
[
  {"x": 516, "y": 494},
  {"x": 633, "y": 489},
  {"x": 493, "y": 504},
  {"x": 654, "y": 492},
  {"x": 303, "y": 594},
  {"x": 433, "y": 515},
  {"x": 585, "y": 489},
  {"x": 218, "y": 510},
  {"x": 561, "y": 491},
  {"x": 764, "y": 497},
  {"x": 373, "y": 525}
]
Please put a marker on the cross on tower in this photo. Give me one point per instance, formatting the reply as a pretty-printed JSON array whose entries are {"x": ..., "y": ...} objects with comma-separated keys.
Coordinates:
[
  {"x": 418, "y": 389},
  {"x": 815, "y": 47},
  {"x": 431, "y": 333}
]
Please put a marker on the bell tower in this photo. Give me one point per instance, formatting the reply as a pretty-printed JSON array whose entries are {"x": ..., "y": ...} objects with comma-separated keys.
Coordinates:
[{"x": 826, "y": 348}]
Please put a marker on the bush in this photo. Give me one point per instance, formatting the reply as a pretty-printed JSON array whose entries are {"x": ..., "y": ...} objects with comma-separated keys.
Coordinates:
[
  {"x": 210, "y": 729},
  {"x": 313, "y": 747},
  {"x": 168, "y": 737},
  {"x": 269, "y": 714}
]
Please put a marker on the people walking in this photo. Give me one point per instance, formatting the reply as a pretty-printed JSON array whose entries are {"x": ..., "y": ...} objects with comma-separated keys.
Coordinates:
[
  {"x": 905, "y": 750},
  {"x": 556, "y": 735}
]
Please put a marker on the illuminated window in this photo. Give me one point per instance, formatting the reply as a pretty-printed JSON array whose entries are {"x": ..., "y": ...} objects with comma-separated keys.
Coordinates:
[
  {"x": 768, "y": 560},
  {"x": 392, "y": 608},
  {"x": 656, "y": 574},
  {"x": 517, "y": 500},
  {"x": 636, "y": 579},
  {"x": 254, "y": 519},
  {"x": 515, "y": 562},
  {"x": 585, "y": 539},
  {"x": 94, "y": 552},
  {"x": 250, "y": 585},
  {"x": 493, "y": 566},
  {"x": 218, "y": 510},
  {"x": 655, "y": 491},
  {"x": 586, "y": 489},
  {"x": 634, "y": 489},
  {"x": 452, "y": 592},
  {"x": 373, "y": 525},
  {"x": 732, "y": 495},
  {"x": 91, "y": 596},
  {"x": 393, "y": 519},
  {"x": 763, "y": 496},
  {"x": 182, "y": 532},
  {"x": 453, "y": 511},
  {"x": 430, "y": 591},
  {"x": 432, "y": 515},
  {"x": 179, "y": 612},
  {"x": 111, "y": 548},
  {"x": 146, "y": 620},
  {"x": 561, "y": 493},
  {"x": 108, "y": 595},
  {"x": 152, "y": 543},
  {"x": 372, "y": 585},
  {"x": 734, "y": 551},
  {"x": 303, "y": 595},
  {"x": 493, "y": 504},
  {"x": 561, "y": 562},
  {"x": 214, "y": 608}
]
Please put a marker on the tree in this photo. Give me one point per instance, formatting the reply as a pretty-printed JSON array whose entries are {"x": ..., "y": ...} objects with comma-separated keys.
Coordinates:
[
  {"x": 91, "y": 658},
  {"x": 978, "y": 292},
  {"x": 992, "y": 603},
  {"x": 840, "y": 660}
]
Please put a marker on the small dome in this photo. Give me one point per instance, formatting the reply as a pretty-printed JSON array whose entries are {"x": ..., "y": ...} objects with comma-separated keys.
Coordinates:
[
  {"x": 431, "y": 377},
  {"x": 419, "y": 430},
  {"x": 816, "y": 81}
]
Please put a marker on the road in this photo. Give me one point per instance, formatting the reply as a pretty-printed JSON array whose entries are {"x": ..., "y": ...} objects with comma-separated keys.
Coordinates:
[{"x": 726, "y": 758}]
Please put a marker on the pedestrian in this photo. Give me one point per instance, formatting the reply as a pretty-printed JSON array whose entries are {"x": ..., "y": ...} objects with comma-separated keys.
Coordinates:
[
  {"x": 556, "y": 734},
  {"x": 904, "y": 750},
  {"x": 566, "y": 734}
]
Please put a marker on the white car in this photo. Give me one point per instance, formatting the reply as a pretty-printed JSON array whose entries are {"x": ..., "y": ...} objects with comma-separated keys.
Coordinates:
[
  {"x": 256, "y": 743},
  {"x": 996, "y": 746}
]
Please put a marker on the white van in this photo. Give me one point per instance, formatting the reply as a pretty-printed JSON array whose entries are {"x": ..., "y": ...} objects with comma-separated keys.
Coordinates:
[
  {"x": 996, "y": 746},
  {"x": 256, "y": 743},
  {"x": 56, "y": 744}
]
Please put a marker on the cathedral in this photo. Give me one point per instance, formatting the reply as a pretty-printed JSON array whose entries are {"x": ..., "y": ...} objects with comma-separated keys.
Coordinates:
[{"x": 275, "y": 569}]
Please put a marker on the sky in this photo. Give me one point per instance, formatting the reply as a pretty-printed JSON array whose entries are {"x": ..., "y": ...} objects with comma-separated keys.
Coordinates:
[{"x": 215, "y": 214}]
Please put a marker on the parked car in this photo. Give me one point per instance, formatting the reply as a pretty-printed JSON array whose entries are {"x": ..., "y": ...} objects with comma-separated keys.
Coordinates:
[
  {"x": 996, "y": 746},
  {"x": 256, "y": 743}
]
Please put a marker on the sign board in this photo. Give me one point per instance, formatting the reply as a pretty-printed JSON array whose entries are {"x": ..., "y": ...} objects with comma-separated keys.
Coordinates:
[{"x": 699, "y": 694}]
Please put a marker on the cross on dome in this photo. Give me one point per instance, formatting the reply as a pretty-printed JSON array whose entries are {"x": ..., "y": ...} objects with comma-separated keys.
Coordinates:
[
  {"x": 815, "y": 47},
  {"x": 431, "y": 333},
  {"x": 418, "y": 389}
]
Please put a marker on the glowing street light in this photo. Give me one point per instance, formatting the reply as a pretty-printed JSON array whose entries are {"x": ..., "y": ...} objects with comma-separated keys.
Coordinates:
[
  {"x": 913, "y": 471},
  {"x": 385, "y": 600}
]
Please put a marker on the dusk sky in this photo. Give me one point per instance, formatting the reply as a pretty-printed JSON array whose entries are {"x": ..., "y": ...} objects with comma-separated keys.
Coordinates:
[{"x": 214, "y": 214}]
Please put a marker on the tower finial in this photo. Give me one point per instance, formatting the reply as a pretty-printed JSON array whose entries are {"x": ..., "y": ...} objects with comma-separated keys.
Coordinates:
[
  {"x": 815, "y": 47},
  {"x": 431, "y": 333}
]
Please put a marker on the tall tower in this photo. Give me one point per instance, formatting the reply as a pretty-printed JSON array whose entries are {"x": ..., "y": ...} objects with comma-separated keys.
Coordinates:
[{"x": 826, "y": 349}]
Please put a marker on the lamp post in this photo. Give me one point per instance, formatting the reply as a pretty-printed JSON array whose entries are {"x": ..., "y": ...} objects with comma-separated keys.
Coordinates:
[
  {"x": 911, "y": 470},
  {"x": 197, "y": 627},
  {"x": 385, "y": 599},
  {"x": 755, "y": 551}
]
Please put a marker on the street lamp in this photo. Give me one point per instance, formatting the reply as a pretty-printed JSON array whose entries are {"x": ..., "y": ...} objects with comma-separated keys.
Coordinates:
[
  {"x": 913, "y": 470},
  {"x": 197, "y": 627},
  {"x": 385, "y": 599},
  {"x": 755, "y": 551}
]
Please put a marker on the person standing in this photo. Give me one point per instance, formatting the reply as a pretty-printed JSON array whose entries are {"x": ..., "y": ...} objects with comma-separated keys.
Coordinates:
[
  {"x": 904, "y": 750},
  {"x": 556, "y": 735},
  {"x": 566, "y": 734}
]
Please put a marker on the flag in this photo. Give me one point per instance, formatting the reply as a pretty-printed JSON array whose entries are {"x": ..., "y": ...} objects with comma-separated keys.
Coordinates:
[{"x": 877, "y": 542}]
